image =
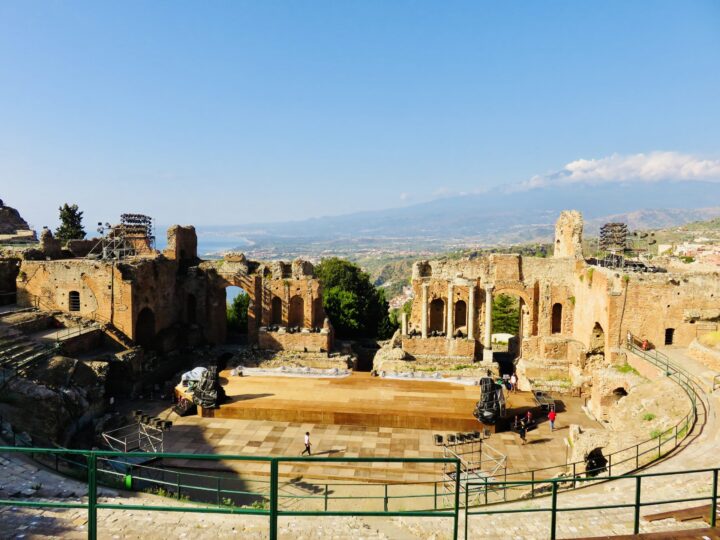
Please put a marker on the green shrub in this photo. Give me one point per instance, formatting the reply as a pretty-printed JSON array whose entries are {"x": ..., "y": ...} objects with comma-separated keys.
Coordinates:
[{"x": 648, "y": 417}]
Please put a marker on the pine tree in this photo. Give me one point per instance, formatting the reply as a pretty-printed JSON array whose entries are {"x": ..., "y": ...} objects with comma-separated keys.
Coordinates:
[
  {"x": 71, "y": 227},
  {"x": 505, "y": 314}
]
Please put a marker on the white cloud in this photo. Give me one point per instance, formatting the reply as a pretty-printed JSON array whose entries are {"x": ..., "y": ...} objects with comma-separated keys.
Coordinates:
[
  {"x": 651, "y": 167},
  {"x": 404, "y": 196}
]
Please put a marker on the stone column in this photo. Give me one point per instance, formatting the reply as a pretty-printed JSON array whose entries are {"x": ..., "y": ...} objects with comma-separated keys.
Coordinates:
[
  {"x": 403, "y": 324},
  {"x": 487, "y": 346},
  {"x": 450, "y": 326},
  {"x": 286, "y": 306},
  {"x": 424, "y": 314},
  {"x": 471, "y": 313},
  {"x": 525, "y": 321}
]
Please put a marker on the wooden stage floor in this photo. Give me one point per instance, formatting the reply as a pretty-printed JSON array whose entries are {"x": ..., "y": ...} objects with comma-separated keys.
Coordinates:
[{"x": 359, "y": 400}]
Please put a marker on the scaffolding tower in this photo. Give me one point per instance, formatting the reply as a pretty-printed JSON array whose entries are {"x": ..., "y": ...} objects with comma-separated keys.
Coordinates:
[{"x": 131, "y": 236}]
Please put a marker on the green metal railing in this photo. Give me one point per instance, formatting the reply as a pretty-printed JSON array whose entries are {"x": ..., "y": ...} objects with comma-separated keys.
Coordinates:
[
  {"x": 270, "y": 510},
  {"x": 554, "y": 509},
  {"x": 623, "y": 461}
]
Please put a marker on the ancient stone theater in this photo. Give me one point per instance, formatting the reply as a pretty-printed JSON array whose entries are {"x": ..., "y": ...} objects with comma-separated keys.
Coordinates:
[
  {"x": 574, "y": 315},
  {"x": 163, "y": 300}
]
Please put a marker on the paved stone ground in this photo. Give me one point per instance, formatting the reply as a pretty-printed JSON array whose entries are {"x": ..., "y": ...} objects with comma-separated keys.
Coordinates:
[
  {"x": 700, "y": 452},
  {"x": 196, "y": 435},
  {"x": 22, "y": 478}
]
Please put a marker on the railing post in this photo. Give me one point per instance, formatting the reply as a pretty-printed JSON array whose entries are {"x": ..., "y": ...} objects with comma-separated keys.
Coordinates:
[
  {"x": 637, "y": 456},
  {"x": 92, "y": 496},
  {"x": 467, "y": 504},
  {"x": 553, "y": 515},
  {"x": 434, "y": 496},
  {"x": 273, "y": 498},
  {"x": 574, "y": 475},
  {"x": 713, "y": 509},
  {"x": 178, "y": 485},
  {"x": 636, "y": 523},
  {"x": 385, "y": 499},
  {"x": 326, "y": 497},
  {"x": 218, "y": 490},
  {"x": 532, "y": 486},
  {"x": 609, "y": 465},
  {"x": 457, "y": 499},
  {"x": 659, "y": 443}
]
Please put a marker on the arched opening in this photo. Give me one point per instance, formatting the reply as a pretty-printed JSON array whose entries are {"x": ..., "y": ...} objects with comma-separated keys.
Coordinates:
[
  {"x": 318, "y": 313},
  {"x": 619, "y": 393},
  {"x": 461, "y": 316},
  {"x": 669, "y": 336},
  {"x": 296, "y": 312},
  {"x": 507, "y": 329},
  {"x": 276, "y": 311},
  {"x": 597, "y": 340},
  {"x": 145, "y": 327},
  {"x": 237, "y": 302},
  {"x": 74, "y": 301},
  {"x": 191, "y": 309},
  {"x": 557, "y": 319},
  {"x": 437, "y": 316}
]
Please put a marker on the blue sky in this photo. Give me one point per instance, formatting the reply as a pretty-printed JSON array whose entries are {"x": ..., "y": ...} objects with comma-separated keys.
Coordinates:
[{"x": 235, "y": 112}]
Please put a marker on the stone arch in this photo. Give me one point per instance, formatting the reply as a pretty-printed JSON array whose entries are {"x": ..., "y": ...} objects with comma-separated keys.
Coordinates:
[
  {"x": 276, "y": 311},
  {"x": 514, "y": 291},
  {"x": 557, "y": 310},
  {"x": 145, "y": 327},
  {"x": 234, "y": 274},
  {"x": 460, "y": 314},
  {"x": 437, "y": 315},
  {"x": 296, "y": 311}
]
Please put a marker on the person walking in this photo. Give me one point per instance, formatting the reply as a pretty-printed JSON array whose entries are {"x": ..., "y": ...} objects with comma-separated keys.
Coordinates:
[
  {"x": 551, "y": 417},
  {"x": 307, "y": 444},
  {"x": 522, "y": 430}
]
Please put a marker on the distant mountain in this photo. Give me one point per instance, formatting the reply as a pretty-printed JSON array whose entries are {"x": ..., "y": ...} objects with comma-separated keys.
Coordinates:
[{"x": 502, "y": 216}]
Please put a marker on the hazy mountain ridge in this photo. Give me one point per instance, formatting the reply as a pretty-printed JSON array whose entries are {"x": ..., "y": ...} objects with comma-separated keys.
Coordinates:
[{"x": 492, "y": 218}]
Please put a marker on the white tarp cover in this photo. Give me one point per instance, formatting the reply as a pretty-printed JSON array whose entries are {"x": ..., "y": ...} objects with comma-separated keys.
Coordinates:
[{"x": 193, "y": 374}]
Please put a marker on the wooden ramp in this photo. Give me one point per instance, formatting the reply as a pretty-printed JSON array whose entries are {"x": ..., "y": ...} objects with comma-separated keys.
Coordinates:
[
  {"x": 359, "y": 399},
  {"x": 684, "y": 514},
  {"x": 700, "y": 534}
]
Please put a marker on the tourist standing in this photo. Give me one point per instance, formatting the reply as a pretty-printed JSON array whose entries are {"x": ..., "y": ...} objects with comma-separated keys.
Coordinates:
[
  {"x": 522, "y": 430},
  {"x": 513, "y": 382},
  {"x": 551, "y": 417},
  {"x": 307, "y": 444}
]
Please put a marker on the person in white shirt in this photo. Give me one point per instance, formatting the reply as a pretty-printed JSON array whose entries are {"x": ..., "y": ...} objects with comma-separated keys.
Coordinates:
[
  {"x": 513, "y": 382},
  {"x": 307, "y": 444}
]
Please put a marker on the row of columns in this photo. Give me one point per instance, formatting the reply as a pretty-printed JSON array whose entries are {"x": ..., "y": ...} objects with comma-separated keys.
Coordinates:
[{"x": 451, "y": 313}]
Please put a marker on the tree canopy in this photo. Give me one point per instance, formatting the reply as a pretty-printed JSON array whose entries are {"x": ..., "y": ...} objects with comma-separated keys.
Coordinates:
[
  {"x": 355, "y": 306},
  {"x": 237, "y": 313},
  {"x": 71, "y": 227},
  {"x": 505, "y": 314}
]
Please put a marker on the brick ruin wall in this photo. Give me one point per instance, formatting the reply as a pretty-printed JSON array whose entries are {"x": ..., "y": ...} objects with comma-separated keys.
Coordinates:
[{"x": 158, "y": 297}]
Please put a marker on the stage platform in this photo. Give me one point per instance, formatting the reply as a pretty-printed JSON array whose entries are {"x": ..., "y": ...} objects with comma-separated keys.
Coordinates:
[{"x": 358, "y": 399}]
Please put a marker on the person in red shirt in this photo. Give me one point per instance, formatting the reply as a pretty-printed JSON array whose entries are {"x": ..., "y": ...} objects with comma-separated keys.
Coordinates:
[{"x": 551, "y": 417}]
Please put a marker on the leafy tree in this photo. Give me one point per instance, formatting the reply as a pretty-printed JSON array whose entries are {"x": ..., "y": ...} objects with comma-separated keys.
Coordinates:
[
  {"x": 506, "y": 314},
  {"x": 71, "y": 227},
  {"x": 355, "y": 306},
  {"x": 237, "y": 313}
]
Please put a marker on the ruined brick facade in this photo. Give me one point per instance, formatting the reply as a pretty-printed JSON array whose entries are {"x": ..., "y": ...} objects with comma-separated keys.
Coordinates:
[
  {"x": 161, "y": 300},
  {"x": 574, "y": 316}
]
